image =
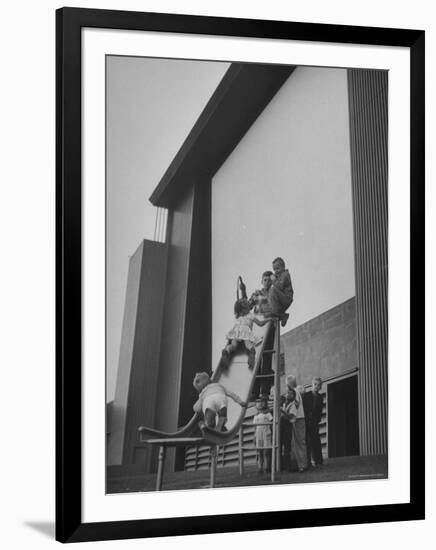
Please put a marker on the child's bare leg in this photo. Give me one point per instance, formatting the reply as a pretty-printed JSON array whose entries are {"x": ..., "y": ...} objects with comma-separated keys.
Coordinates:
[
  {"x": 268, "y": 453},
  {"x": 227, "y": 353},
  {"x": 222, "y": 418},
  {"x": 232, "y": 346},
  {"x": 251, "y": 354},
  {"x": 260, "y": 460},
  {"x": 209, "y": 418}
]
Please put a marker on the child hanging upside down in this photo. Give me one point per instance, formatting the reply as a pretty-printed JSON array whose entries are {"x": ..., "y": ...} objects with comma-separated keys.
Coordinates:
[
  {"x": 242, "y": 333},
  {"x": 213, "y": 400}
]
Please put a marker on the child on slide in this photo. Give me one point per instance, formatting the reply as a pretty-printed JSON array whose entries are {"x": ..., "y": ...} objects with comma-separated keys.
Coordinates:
[
  {"x": 212, "y": 400},
  {"x": 242, "y": 333}
]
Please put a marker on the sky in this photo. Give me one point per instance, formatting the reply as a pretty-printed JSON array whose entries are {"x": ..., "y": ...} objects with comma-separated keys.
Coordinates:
[
  {"x": 295, "y": 157},
  {"x": 152, "y": 105},
  {"x": 286, "y": 191}
]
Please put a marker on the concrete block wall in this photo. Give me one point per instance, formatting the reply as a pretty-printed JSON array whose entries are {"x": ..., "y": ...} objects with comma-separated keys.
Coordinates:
[{"x": 325, "y": 346}]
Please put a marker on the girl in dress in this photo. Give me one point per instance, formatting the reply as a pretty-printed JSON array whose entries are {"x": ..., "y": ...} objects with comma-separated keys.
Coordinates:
[
  {"x": 212, "y": 400},
  {"x": 242, "y": 333},
  {"x": 263, "y": 435}
]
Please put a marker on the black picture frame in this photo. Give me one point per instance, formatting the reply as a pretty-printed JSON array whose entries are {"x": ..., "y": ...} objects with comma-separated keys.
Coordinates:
[{"x": 69, "y": 22}]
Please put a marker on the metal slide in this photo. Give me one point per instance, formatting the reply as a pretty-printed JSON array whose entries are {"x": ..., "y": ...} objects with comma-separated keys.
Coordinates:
[{"x": 239, "y": 379}]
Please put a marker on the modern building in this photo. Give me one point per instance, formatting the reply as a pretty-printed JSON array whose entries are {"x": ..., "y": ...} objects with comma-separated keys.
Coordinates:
[
  {"x": 326, "y": 347},
  {"x": 280, "y": 161}
]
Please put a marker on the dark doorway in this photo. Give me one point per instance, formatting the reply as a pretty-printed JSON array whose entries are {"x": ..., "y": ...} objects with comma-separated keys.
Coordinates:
[{"x": 342, "y": 418}]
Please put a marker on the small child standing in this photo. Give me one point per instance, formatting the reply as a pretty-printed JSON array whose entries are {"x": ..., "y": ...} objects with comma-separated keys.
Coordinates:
[
  {"x": 263, "y": 435},
  {"x": 281, "y": 293},
  {"x": 242, "y": 332},
  {"x": 212, "y": 400}
]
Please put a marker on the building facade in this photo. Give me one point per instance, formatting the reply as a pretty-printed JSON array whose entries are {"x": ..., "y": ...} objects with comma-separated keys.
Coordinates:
[
  {"x": 326, "y": 347},
  {"x": 284, "y": 116}
]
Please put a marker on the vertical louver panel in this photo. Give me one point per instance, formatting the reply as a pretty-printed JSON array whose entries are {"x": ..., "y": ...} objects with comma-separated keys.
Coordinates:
[
  {"x": 228, "y": 454},
  {"x": 198, "y": 458},
  {"x": 368, "y": 93}
]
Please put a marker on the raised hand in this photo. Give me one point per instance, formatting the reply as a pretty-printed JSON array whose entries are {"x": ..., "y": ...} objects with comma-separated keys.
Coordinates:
[{"x": 242, "y": 286}]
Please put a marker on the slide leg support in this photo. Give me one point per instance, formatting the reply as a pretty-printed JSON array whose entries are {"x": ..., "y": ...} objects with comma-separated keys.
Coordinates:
[
  {"x": 160, "y": 468},
  {"x": 213, "y": 461}
]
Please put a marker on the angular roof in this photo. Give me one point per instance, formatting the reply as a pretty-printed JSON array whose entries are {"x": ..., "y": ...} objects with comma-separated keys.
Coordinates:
[{"x": 243, "y": 93}]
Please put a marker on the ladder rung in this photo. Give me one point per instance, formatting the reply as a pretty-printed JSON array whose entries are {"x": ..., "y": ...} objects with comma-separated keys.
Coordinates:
[
  {"x": 265, "y": 375},
  {"x": 269, "y": 351}
]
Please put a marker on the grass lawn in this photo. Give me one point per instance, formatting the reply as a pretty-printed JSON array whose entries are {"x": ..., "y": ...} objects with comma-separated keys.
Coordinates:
[{"x": 335, "y": 469}]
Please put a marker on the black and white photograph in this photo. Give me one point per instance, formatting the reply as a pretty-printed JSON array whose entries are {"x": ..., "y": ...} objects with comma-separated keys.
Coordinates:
[
  {"x": 216, "y": 286},
  {"x": 246, "y": 274},
  {"x": 240, "y": 297}
]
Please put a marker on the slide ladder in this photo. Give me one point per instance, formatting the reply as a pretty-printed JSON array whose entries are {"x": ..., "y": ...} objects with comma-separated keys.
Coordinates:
[
  {"x": 239, "y": 379},
  {"x": 275, "y": 423}
]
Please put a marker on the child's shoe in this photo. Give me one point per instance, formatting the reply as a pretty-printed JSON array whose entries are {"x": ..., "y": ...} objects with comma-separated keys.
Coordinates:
[{"x": 284, "y": 319}]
